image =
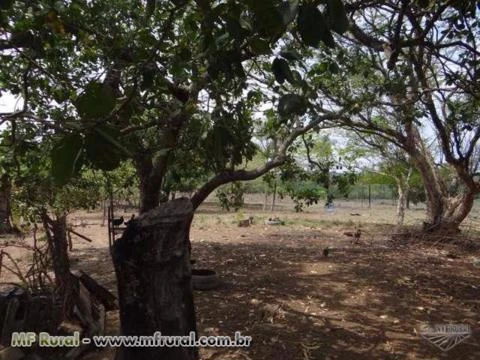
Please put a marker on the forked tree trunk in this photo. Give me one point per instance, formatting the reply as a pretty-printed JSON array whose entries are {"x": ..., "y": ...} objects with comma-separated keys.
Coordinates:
[
  {"x": 456, "y": 209},
  {"x": 152, "y": 265},
  {"x": 445, "y": 213}
]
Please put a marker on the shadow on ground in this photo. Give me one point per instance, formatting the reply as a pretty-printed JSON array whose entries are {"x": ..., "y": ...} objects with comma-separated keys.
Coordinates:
[{"x": 361, "y": 302}]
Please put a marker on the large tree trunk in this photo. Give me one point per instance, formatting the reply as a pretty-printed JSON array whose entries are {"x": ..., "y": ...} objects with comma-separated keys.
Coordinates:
[
  {"x": 457, "y": 209},
  {"x": 150, "y": 177},
  {"x": 445, "y": 212},
  {"x": 152, "y": 264},
  {"x": 149, "y": 195}
]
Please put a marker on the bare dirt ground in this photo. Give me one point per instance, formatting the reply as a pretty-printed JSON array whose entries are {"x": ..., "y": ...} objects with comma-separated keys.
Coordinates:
[{"x": 361, "y": 302}]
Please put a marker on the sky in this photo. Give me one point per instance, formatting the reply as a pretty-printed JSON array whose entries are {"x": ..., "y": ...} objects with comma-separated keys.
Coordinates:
[{"x": 9, "y": 103}]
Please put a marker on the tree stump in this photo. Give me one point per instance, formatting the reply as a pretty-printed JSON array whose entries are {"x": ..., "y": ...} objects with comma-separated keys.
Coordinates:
[{"x": 152, "y": 265}]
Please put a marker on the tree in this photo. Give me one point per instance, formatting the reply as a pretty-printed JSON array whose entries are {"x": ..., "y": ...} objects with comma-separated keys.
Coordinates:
[
  {"x": 395, "y": 73},
  {"x": 442, "y": 73},
  {"x": 231, "y": 196},
  {"x": 323, "y": 161},
  {"x": 315, "y": 171},
  {"x": 6, "y": 165},
  {"x": 301, "y": 185},
  {"x": 38, "y": 199},
  {"x": 157, "y": 82},
  {"x": 389, "y": 164}
]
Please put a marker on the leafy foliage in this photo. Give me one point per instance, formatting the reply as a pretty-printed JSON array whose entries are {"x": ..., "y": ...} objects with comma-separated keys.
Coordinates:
[
  {"x": 96, "y": 102},
  {"x": 313, "y": 27},
  {"x": 337, "y": 16},
  {"x": 304, "y": 193},
  {"x": 282, "y": 71},
  {"x": 231, "y": 196},
  {"x": 66, "y": 157},
  {"x": 291, "y": 104},
  {"x": 132, "y": 89}
]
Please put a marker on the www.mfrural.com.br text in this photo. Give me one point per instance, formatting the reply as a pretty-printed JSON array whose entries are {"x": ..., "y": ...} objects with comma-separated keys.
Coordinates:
[{"x": 44, "y": 339}]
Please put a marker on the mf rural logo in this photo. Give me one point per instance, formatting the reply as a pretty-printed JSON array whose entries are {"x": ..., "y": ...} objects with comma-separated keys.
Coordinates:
[{"x": 446, "y": 336}]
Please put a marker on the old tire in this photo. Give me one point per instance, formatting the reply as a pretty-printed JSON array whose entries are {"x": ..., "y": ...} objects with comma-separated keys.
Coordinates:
[
  {"x": 274, "y": 222},
  {"x": 204, "y": 279}
]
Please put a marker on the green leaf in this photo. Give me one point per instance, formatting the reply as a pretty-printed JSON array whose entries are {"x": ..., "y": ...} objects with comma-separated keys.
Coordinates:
[
  {"x": 24, "y": 39},
  {"x": 313, "y": 28},
  {"x": 292, "y": 104},
  {"x": 424, "y": 3},
  {"x": 259, "y": 46},
  {"x": 59, "y": 94},
  {"x": 297, "y": 77},
  {"x": 100, "y": 151},
  {"x": 203, "y": 4},
  {"x": 282, "y": 71},
  {"x": 112, "y": 135},
  {"x": 222, "y": 40},
  {"x": 147, "y": 78},
  {"x": 268, "y": 16},
  {"x": 289, "y": 10},
  {"x": 97, "y": 101},
  {"x": 333, "y": 68},
  {"x": 291, "y": 55},
  {"x": 337, "y": 16},
  {"x": 235, "y": 29},
  {"x": 245, "y": 24},
  {"x": 66, "y": 157}
]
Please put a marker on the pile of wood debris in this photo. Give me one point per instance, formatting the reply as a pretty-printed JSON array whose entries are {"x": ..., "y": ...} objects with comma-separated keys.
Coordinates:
[{"x": 23, "y": 310}]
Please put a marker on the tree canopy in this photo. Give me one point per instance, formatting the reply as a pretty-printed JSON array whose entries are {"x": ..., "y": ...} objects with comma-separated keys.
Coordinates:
[{"x": 191, "y": 91}]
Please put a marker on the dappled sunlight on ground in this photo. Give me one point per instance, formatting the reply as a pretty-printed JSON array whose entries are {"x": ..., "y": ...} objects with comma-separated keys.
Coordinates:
[{"x": 363, "y": 301}]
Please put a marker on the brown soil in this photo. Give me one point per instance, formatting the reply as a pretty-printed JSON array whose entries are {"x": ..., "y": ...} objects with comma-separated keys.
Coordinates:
[{"x": 363, "y": 301}]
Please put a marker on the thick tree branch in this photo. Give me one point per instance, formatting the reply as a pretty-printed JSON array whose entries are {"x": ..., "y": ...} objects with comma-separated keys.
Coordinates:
[{"x": 277, "y": 160}]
